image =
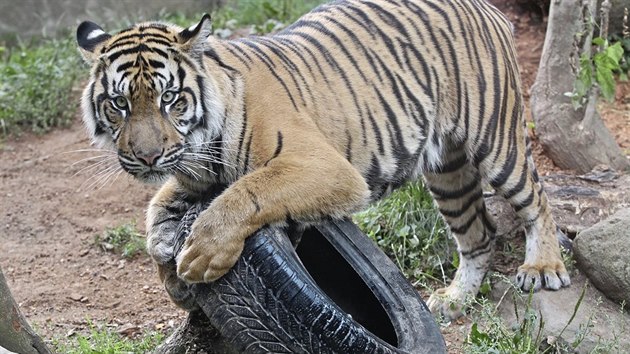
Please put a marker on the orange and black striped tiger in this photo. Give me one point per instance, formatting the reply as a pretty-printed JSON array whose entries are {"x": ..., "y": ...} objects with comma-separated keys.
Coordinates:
[{"x": 336, "y": 110}]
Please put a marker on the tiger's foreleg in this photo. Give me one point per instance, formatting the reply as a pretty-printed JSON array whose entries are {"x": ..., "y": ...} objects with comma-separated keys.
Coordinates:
[
  {"x": 305, "y": 185},
  {"x": 164, "y": 214}
]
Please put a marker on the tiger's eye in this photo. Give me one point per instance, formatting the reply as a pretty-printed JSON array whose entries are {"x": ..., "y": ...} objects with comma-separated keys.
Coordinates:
[
  {"x": 168, "y": 97},
  {"x": 120, "y": 102}
]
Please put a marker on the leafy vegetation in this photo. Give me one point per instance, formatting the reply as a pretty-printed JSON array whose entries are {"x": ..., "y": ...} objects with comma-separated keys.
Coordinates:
[
  {"x": 104, "y": 341},
  {"x": 600, "y": 69},
  {"x": 124, "y": 240},
  {"x": 36, "y": 86},
  {"x": 408, "y": 228},
  {"x": 624, "y": 64}
]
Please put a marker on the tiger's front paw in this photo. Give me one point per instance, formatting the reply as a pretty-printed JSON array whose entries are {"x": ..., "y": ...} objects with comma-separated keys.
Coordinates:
[
  {"x": 210, "y": 251},
  {"x": 550, "y": 275}
]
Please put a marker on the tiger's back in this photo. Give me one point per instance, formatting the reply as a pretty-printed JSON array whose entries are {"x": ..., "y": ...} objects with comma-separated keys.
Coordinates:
[
  {"x": 391, "y": 83},
  {"x": 334, "y": 111}
]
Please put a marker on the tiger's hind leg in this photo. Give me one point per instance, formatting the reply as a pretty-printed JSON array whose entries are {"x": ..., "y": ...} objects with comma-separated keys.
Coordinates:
[
  {"x": 456, "y": 188},
  {"x": 517, "y": 181}
]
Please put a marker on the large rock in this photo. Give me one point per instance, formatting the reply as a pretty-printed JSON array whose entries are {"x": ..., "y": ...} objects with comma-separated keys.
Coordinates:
[{"x": 601, "y": 252}]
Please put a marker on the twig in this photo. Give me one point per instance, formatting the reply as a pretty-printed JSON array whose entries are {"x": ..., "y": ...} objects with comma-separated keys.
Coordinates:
[
  {"x": 626, "y": 28},
  {"x": 605, "y": 12}
]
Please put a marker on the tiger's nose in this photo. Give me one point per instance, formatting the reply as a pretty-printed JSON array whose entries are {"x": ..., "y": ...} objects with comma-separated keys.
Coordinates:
[{"x": 149, "y": 158}]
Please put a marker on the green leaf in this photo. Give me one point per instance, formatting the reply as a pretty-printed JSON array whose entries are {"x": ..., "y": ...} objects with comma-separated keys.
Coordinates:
[
  {"x": 485, "y": 288},
  {"x": 477, "y": 337},
  {"x": 615, "y": 52},
  {"x": 404, "y": 231},
  {"x": 606, "y": 82},
  {"x": 599, "y": 41}
]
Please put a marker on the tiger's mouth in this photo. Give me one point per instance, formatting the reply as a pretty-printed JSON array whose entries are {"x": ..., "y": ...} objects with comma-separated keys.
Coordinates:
[
  {"x": 147, "y": 174},
  {"x": 152, "y": 175},
  {"x": 153, "y": 170}
]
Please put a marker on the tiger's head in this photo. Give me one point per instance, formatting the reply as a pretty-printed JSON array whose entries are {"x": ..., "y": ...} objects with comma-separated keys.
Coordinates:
[{"x": 149, "y": 97}]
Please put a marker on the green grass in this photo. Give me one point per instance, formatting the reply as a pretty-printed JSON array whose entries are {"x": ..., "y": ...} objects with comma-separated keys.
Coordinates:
[
  {"x": 36, "y": 86},
  {"x": 490, "y": 333},
  {"x": 102, "y": 340},
  {"x": 123, "y": 239},
  {"x": 260, "y": 16},
  {"x": 408, "y": 228}
]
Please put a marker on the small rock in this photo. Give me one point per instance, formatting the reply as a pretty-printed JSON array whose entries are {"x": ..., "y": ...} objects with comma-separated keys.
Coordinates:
[
  {"x": 75, "y": 297},
  {"x": 599, "y": 174},
  {"x": 601, "y": 253},
  {"x": 128, "y": 329}
]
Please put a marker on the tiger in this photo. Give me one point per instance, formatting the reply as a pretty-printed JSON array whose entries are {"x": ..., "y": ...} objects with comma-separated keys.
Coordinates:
[{"x": 319, "y": 120}]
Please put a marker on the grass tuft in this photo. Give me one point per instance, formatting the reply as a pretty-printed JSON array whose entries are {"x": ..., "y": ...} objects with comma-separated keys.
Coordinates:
[
  {"x": 490, "y": 333},
  {"x": 124, "y": 240},
  {"x": 408, "y": 228},
  {"x": 102, "y": 340}
]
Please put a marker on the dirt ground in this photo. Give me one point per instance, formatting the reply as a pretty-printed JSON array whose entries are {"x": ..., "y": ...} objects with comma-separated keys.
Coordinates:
[{"x": 50, "y": 216}]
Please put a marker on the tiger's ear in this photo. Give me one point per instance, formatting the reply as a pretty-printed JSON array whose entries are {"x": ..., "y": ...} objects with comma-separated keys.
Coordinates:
[
  {"x": 91, "y": 37},
  {"x": 194, "y": 37}
]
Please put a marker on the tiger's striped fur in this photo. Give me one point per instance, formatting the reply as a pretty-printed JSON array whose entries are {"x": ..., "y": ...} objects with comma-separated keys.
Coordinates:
[{"x": 336, "y": 110}]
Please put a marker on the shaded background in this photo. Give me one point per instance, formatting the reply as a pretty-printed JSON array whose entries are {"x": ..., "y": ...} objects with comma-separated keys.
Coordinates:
[{"x": 47, "y": 17}]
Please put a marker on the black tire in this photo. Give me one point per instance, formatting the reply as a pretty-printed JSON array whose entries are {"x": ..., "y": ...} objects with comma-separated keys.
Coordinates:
[{"x": 337, "y": 294}]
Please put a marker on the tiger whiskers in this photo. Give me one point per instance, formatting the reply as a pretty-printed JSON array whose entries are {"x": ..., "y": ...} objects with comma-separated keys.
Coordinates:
[
  {"x": 92, "y": 158},
  {"x": 211, "y": 144},
  {"x": 101, "y": 178},
  {"x": 197, "y": 164},
  {"x": 188, "y": 171},
  {"x": 104, "y": 157},
  {"x": 95, "y": 165},
  {"x": 107, "y": 151},
  {"x": 206, "y": 158}
]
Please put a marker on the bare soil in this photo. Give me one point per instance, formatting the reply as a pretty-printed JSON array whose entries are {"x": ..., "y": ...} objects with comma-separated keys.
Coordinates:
[
  {"x": 50, "y": 215},
  {"x": 49, "y": 222}
]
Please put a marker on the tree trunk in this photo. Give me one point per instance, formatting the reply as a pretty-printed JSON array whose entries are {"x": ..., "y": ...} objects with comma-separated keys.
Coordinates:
[
  {"x": 574, "y": 139},
  {"x": 15, "y": 333}
]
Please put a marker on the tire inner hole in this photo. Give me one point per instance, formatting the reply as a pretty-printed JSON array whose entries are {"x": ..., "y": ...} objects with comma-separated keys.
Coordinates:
[{"x": 336, "y": 277}]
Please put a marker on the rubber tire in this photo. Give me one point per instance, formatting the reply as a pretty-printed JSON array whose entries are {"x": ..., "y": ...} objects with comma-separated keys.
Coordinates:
[{"x": 269, "y": 303}]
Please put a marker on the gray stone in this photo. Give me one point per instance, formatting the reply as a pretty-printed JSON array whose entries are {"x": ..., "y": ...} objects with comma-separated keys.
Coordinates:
[{"x": 601, "y": 252}]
